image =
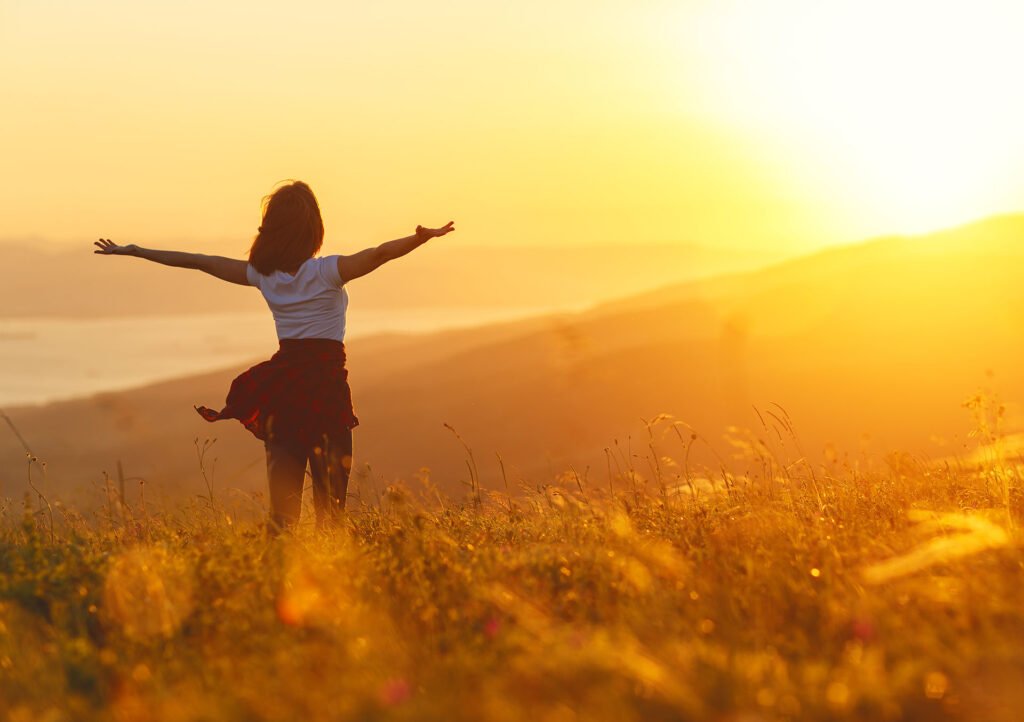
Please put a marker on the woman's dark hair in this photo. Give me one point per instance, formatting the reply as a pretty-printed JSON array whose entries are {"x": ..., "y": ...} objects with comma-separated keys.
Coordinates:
[{"x": 292, "y": 230}]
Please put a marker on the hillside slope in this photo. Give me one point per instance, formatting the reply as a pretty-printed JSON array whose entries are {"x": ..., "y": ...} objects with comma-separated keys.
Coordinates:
[{"x": 869, "y": 348}]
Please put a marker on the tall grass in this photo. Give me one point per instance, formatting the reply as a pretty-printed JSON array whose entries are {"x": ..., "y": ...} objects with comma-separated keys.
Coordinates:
[{"x": 765, "y": 589}]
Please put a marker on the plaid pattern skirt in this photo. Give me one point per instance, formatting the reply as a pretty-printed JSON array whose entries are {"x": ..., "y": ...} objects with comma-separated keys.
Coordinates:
[{"x": 296, "y": 397}]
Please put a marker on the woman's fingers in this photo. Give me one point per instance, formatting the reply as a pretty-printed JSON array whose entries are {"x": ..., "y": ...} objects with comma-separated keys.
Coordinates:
[
  {"x": 435, "y": 232},
  {"x": 105, "y": 246}
]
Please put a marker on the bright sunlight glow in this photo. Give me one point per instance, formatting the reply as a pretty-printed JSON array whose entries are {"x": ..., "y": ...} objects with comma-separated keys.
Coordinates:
[{"x": 911, "y": 107}]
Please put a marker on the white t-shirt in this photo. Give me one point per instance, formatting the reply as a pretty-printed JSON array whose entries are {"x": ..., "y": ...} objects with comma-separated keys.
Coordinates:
[{"x": 310, "y": 304}]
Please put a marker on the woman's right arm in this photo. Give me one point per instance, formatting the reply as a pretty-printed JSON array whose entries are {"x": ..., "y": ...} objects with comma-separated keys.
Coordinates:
[{"x": 231, "y": 270}]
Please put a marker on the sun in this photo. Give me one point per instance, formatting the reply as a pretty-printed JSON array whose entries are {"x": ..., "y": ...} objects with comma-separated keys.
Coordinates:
[{"x": 908, "y": 110}]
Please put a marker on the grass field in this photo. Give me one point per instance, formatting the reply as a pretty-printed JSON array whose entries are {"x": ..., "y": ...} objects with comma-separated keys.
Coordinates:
[{"x": 765, "y": 590}]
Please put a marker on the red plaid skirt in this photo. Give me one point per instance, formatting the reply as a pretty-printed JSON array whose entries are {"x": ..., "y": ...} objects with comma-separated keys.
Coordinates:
[{"x": 296, "y": 397}]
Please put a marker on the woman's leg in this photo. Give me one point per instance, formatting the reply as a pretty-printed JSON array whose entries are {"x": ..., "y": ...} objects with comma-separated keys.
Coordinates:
[
  {"x": 286, "y": 472},
  {"x": 329, "y": 465}
]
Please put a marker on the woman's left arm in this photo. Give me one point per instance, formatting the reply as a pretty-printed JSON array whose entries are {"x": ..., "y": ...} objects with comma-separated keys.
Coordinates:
[
  {"x": 370, "y": 259},
  {"x": 226, "y": 269}
]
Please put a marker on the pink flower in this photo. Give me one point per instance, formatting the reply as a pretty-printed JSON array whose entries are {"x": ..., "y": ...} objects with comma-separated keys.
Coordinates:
[
  {"x": 863, "y": 629},
  {"x": 394, "y": 691}
]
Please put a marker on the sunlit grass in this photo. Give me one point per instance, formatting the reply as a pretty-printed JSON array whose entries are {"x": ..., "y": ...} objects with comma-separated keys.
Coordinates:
[{"x": 767, "y": 589}]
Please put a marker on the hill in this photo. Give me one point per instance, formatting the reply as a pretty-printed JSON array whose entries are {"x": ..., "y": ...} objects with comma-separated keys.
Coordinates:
[{"x": 869, "y": 348}]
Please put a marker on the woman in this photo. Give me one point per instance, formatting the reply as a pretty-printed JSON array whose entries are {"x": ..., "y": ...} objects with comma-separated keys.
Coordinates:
[{"x": 298, "y": 403}]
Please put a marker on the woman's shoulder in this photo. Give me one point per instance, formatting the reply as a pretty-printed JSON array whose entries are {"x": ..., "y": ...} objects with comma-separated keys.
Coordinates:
[
  {"x": 253, "y": 276},
  {"x": 327, "y": 268}
]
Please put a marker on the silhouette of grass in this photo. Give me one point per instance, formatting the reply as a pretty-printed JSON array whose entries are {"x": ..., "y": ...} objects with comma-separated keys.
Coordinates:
[{"x": 765, "y": 590}]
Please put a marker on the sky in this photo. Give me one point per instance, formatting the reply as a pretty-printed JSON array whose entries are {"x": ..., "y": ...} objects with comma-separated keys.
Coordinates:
[{"x": 782, "y": 124}]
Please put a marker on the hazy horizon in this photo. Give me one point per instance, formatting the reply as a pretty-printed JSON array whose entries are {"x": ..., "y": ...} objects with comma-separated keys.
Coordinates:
[{"x": 518, "y": 276}]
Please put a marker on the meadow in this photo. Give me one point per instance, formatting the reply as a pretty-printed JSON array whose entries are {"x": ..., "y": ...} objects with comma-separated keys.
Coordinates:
[{"x": 765, "y": 589}]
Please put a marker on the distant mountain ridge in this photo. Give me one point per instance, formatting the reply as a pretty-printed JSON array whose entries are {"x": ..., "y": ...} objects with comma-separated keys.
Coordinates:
[{"x": 998, "y": 236}]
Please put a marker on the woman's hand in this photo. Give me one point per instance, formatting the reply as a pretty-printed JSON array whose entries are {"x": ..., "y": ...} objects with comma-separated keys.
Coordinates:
[
  {"x": 107, "y": 247},
  {"x": 425, "y": 234}
]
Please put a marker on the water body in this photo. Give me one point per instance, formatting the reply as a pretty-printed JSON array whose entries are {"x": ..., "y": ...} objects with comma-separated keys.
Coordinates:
[{"x": 44, "y": 360}]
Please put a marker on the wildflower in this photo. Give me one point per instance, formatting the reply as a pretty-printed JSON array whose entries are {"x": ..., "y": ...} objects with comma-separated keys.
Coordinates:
[
  {"x": 394, "y": 691},
  {"x": 863, "y": 629}
]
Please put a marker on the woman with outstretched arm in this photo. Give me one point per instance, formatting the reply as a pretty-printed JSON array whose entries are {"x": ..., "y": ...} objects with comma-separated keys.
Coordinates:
[{"x": 298, "y": 402}]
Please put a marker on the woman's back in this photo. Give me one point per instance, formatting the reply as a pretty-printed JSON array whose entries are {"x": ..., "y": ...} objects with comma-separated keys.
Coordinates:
[
  {"x": 310, "y": 303},
  {"x": 298, "y": 402}
]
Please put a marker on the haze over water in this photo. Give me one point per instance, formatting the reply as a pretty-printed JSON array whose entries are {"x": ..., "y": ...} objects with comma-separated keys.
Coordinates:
[{"x": 45, "y": 359}]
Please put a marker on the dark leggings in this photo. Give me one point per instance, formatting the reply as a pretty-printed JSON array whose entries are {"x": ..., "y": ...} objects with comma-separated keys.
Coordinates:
[{"x": 329, "y": 467}]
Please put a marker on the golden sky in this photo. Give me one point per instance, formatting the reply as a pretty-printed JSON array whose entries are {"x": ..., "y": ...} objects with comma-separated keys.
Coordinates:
[{"x": 784, "y": 124}]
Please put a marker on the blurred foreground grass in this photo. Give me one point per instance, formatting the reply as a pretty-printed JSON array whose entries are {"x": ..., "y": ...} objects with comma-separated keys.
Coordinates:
[{"x": 784, "y": 592}]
